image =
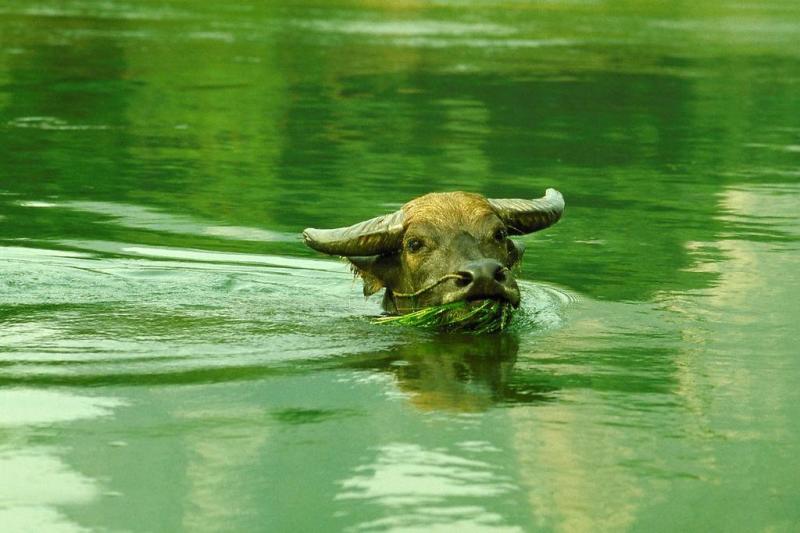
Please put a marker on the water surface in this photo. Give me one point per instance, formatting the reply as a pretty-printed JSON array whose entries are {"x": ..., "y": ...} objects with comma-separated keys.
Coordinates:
[{"x": 172, "y": 357}]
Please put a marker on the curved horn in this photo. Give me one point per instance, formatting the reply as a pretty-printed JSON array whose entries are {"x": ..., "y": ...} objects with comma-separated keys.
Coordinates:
[
  {"x": 527, "y": 216},
  {"x": 376, "y": 236}
]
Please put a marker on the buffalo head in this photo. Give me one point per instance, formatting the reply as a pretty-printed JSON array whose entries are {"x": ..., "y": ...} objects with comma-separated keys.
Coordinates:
[{"x": 441, "y": 248}]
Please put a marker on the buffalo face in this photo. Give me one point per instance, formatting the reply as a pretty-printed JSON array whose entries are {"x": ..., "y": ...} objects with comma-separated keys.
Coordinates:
[
  {"x": 454, "y": 247},
  {"x": 441, "y": 248}
]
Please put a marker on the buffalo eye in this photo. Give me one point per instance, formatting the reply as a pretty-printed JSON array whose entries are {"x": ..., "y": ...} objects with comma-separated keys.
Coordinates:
[
  {"x": 414, "y": 245},
  {"x": 500, "y": 235}
]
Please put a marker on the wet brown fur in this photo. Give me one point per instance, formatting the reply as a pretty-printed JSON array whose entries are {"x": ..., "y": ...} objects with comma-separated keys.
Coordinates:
[
  {"x": 444, "y": 210},
  {"x": 447, "y": 209},
  {"x": 433, "y": 218},
  {"x": 451, "y": 247}
]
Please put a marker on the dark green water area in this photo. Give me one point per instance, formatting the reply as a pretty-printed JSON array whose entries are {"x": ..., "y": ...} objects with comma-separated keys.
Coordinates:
[{"x": 173, "y": 358}]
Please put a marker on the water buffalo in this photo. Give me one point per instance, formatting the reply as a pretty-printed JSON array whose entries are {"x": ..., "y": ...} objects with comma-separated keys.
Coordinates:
[{"x": 441, "y": 248}]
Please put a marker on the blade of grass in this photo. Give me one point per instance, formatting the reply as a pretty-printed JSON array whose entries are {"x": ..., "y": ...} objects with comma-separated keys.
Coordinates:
[{"x": 487, "y": 317}]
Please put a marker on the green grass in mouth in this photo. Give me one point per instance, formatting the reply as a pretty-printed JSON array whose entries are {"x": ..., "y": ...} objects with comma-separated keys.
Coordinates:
[{"x": 488, "y": 316}]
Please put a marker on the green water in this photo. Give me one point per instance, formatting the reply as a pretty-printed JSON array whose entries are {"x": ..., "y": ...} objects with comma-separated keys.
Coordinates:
[{"x": 173, "y": 358}]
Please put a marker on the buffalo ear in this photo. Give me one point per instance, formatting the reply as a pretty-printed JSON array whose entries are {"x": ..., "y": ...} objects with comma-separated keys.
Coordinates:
[
  {"x": 516, "y": 250},
  {"x": 376, "y": 271}
]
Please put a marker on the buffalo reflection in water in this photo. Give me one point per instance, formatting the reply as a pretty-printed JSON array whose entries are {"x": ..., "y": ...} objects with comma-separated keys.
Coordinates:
[{"x": 459, "y": 372}]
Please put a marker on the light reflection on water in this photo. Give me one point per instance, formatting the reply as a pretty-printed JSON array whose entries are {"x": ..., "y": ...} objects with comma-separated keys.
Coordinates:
[
  {"x": 419, "y": 486},
  {"x": 36, "y": 480}
]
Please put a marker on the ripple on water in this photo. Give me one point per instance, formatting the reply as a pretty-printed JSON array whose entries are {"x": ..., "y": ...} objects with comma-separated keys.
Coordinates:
[
  {"x": 172, "y": 314},
  {"x": 114, "y": 313},
  {"x": 432, "y": 33},
  {"x": 406, "y": 28},
  {"x": 100, "y": 10},
  {"x": 52, "y": 123},
  {"x": 151, "y": 219}
]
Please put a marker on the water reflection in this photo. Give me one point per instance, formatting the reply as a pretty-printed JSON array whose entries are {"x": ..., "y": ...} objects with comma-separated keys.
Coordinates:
[
  {"x": 36, "y": 481},
  {"x": 144, "y": 218},
  {"x": 702, "y": 403},
  {"x": 459, "y": 373},
  {"x": 417, "y": 488},
  {"x": 212, "y": 501}
]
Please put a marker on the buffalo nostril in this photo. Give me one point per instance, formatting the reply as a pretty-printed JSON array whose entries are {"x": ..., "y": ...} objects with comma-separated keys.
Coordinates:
[
  {"x": 480, "y": 273},
  {"x": 464, "y": 278}
]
